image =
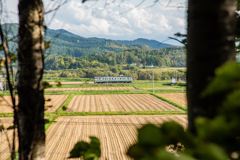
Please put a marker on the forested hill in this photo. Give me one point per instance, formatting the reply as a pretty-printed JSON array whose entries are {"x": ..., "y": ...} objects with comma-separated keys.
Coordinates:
[
  {"x": 66, "y": 43},
  {"x": 152, "y": 43},
  {"x": 170, "y": 57}
]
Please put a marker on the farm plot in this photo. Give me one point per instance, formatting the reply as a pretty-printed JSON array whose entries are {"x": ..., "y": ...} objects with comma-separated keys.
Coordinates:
[
  {"x": 118, "y": 102},
  {"x": 55, "y": 102},
  {"x": 6, "y": 137},
  {"x": 116, "y": 133},
  {"x": 176, "y": 97},
  {"x": 92, "y": 88}
]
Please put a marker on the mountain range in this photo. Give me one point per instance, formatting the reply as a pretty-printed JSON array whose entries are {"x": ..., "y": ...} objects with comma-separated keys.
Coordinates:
[{"x": 67, "y": 43}]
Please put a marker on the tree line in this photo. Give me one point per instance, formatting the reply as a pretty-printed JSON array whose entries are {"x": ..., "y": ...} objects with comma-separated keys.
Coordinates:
[{"x": 166, "y": 57}]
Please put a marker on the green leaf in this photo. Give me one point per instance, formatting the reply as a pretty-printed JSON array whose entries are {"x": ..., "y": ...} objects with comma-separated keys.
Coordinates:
[
  {"x": 45, "y": 27},
  {"x": 1, "y": 127},
  {"x": 64, "y": 108},
  {"x": 48, "y": 100},
  {"x": 46, "y": 84},
  {"x": 1, "y": 47},
  {"x": 13, "y": 57},
  {"x": 11, "y": 127},
  {"x": 46, "y": 121},
  {"x": 47, "y": 45},
  {"x": 91, "y": 151},
  {"x": 227, "y": 78},
  {"x": 95, "y": 146},
  {"x": 173, "y": 132},
  {"x": 136, "y": 152},
  {"x": 146, "y": 138},
  {"x": 79, "y": 149},
  {"x": 2, "y": 62},
  {"x": 59, "y": 84},
  {"x": 214, "y": 152}
]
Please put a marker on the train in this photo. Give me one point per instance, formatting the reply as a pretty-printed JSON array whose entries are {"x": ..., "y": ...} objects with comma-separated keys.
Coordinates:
[{"x": 112, "y": 79}]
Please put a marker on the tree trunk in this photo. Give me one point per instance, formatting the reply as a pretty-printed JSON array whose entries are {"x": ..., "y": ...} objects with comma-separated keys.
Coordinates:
[
  {"x": 210, "y": 43},
  {"x": 30, "y": 87}
]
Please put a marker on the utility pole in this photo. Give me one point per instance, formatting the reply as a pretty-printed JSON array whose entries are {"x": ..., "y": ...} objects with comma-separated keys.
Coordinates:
[
  {"x": 136, "y": 80},
  {"x": 107, "y": 83},
  {"x": 176, "y": 76},
  {"x": 153, "y": 78},
  {"x": 5, "y": 82}
]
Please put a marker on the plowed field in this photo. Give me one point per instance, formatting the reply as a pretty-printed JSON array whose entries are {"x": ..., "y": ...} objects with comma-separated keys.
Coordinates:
[
  {"x": 56, "y": 101},
  {"x": 119, "y": 102},
  {"x": 116, "y": 133},
  {"x": 92, "y": 88},
  {"x": 5, "y": 135},
  {"x": 176, "y": 97}
]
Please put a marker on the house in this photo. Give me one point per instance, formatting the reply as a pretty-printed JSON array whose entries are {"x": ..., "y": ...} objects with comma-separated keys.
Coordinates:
[
  {"x": 150, "y": 65},
  {"x": 133, "y": 64}
]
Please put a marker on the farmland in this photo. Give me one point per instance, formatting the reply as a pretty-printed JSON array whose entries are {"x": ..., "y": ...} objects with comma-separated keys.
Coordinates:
[
  {"x": 116, "y": 133},
  {"x": 176, "y": 97},
  {"x": 112, "y": 115},
  {"x": 124, "y": 102},
  {"x": 50, "y": 100}
]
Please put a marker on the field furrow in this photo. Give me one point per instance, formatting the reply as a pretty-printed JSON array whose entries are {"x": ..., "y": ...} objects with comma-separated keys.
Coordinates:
[
  {"x": 116, "y": 133},
  {"x": 54, "y": 101},
  {"x": 180, "y": 98},
  {"x": 120, "y": 102}
]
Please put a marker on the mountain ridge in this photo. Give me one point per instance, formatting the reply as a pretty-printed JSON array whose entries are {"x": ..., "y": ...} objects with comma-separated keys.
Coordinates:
[{"x": 64, "y": 42}]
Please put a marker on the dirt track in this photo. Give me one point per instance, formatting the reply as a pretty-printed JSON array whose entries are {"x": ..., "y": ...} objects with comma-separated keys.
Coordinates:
[
  {"x": 176, "y": 97},
  {"x": 92, "y": 88},
  {"x": 116, "y": 133},
  {"x": 119, "y": 102},
  {"x": 56, "y": 101}
]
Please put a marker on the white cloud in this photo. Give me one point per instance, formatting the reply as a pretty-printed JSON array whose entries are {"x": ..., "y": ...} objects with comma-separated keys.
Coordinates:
[{"x": 112, "y": 21}]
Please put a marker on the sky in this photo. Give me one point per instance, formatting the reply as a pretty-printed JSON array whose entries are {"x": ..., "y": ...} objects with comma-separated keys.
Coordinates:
[{"x": 113, "y": 19}]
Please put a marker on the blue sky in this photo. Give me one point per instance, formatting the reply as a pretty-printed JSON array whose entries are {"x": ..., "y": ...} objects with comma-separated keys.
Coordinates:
[{"x": 113, "y": 19}]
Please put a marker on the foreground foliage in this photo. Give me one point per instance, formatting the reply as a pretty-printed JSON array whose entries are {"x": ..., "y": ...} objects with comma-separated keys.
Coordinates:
[{"x": 216, "y": 139}]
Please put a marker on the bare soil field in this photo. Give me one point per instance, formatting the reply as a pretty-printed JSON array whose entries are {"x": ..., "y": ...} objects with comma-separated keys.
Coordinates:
[
  {"x": 118, "y": 102},
  {"x": 92, "y": 88},
  {"x": 116, "y": 133},
  {"x": 6, "y": 137},
  {"x": 64, "y": 83},
  {"x": 176, "y": 97},
  {"x": 55, "y": 102}
]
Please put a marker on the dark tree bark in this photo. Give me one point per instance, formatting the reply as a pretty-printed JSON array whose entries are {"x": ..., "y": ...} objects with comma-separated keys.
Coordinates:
[
  {"x": 30, "y": 87},
  {"x": 210, "y": 43}
]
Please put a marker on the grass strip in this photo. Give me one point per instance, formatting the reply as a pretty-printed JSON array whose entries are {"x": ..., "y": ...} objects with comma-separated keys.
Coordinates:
[
  {"x": 95, "y": 92},
  {"x": 65, "y": 103},
  {"x": 117, "y": 113},
  {"x": 6, "y": 114},
  {"x": 51, "y": 118},
  {"x": 57, "y": 114},
  {"x": 171, "y": 102},
  {"x": 166, "y": 90}
]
